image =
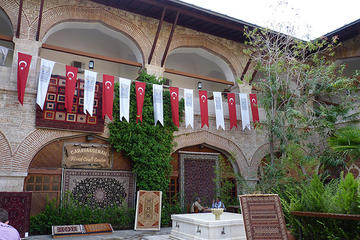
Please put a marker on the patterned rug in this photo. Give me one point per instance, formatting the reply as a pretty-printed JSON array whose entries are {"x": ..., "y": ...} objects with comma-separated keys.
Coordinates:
[
  {"x": 55, "y": 116},
  {"x": 263, "y": 217},
  {"x": 100, "y": 188},
  {"x": 148, "y": 210},
  {"x": 18, "y": 205}
]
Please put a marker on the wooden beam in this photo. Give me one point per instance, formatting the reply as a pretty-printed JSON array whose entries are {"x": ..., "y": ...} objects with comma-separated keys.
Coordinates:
[
  {"x": 19, "y": 19},
  {"x": 157, "y": 35},
  {"x": 191, "y": 75},
  {"x": 91, "y": 55},
  {"x": 196, "y": 15},
  {"x": 6, "y": 38},
  {"x": 253, "y": 76},
  {"x": 170, "y": 38},
  {"x": 245, "y": 69},
  {"x": 39, "y": 20}
]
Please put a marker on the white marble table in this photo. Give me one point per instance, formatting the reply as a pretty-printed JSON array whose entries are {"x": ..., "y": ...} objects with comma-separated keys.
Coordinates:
[{"x": 204, "y": 226}]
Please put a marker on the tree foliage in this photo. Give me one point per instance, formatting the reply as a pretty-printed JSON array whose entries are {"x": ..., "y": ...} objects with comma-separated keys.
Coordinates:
[
  {"x": 148, "y": 146},
  {"x": 303, "y": 92}
]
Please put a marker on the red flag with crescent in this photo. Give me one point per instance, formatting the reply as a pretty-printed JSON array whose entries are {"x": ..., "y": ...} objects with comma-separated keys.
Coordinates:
[
  {"x": 24, "y": 61},
  {"x": 204, "y": 108},
  {"x": 140, "y": 94},
  {"x": 254, "y": 108},
  {"x": 174, "y": 99},
  {"x": 108, "y": 96},
  {"x": 71, "y": 77},
  {"x": 232, "y": 110}
]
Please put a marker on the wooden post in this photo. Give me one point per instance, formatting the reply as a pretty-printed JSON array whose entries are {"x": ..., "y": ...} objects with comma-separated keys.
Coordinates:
[
  {"x": 19, "y": 19},
  {"x": 170, "y": 38},
  {"x": 39, "y": 21},
  {"x": 157, "y": 35}
]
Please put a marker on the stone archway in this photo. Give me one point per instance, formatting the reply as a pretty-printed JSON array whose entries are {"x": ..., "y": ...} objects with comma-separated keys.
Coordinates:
[
  {"x": 194, "y": 41},
  {"x": 32, "y": 144},
  {"x": 68, "y": 13},
  {"x": 219, "y": 142},
  {"x": 5, "y": 149}
]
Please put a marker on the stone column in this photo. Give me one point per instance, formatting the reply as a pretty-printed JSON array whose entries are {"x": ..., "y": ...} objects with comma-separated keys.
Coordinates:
[
  {"x": 155, "y": 70},
  {"x": 12, "y": 181}
]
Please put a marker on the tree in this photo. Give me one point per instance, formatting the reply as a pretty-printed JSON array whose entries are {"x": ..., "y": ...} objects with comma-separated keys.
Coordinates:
[{"x": 302, "y": 91}]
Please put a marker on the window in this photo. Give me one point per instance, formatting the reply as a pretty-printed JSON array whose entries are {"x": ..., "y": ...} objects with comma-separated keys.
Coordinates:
[
  {"x": 42, "y": 183},
  {"x": 173, "y": 190}
]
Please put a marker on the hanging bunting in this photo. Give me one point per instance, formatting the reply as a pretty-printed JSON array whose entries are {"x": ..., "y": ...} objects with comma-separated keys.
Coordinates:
[
  {"x": 174, "y": 99},
  {"x": 89, "y": 91},
  {"x": 189, "y": 108},
  {"x": 140, "y": 94},
  {"x": 204, "y": 108},
  {"x": 244, "y": 106},
  {"x": 3, "y": 54},
  {"x": 108, "y": 96},
  {"x": 158, "y": 103},
  {"x": 24, "y": 61},
  {"x": 219, "y": 110},
  {"x": 232, "y": 109},
  {"x": 124, "y": 98},
  {"x": 254, "y": 108},
  {"x": 71, "y": 76},
  {"x": 46, "y": 68}
]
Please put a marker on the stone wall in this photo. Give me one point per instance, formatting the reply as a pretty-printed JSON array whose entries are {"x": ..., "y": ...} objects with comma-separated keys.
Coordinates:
[{"x": 20, "y": 140}]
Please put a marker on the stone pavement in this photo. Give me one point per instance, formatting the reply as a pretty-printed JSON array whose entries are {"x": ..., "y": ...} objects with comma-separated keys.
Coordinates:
[{"x": 163, "y": 234}]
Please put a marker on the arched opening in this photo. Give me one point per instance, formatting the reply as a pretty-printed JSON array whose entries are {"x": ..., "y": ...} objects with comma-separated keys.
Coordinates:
[
  {"x": 198, "y": 61},
  {"x": 203, "y": 171},
  {"x": 94, "y": 38},
  {"x": 47, "y": 170},
  {"x": 7, "y": 31}
]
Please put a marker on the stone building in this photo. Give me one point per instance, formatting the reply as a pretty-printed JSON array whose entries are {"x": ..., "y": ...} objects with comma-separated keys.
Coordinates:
[{"x": 186, "y": 44}]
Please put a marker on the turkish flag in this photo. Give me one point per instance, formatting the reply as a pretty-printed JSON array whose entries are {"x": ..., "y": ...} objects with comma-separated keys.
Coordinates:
[
  {"x": 140, "y": 94},
  {"x": 232, "y": 110},
  {"x": 204, "y": 108},
  {"x": 174, "y": 99},
  {"x": 108, "y": 96},
  {"x": 24, "y": 61},
  {"x": 254, "y": 108},
  {"x": 71, "y": 77}
]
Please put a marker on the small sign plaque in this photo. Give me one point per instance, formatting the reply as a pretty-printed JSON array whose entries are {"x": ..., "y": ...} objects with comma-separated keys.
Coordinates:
[{"x": 87, "y": 156}]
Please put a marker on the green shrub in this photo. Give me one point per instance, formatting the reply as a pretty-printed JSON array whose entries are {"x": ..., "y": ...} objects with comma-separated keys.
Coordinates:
[{"x": 71, "y": 213}]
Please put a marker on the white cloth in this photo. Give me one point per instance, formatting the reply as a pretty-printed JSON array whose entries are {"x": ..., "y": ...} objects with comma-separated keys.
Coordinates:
[
  {"x": 124, "y": 98},
  {"x": 244, "y": 106},
  {"x": 158, "y": 103},
  {"x": 46, "y": 68},
  {"x": 189, "y": 107},
  {"x": 89, "y": 91},
  {"x": 3, "y": 54},
  {"x": 219, "y": 110}
]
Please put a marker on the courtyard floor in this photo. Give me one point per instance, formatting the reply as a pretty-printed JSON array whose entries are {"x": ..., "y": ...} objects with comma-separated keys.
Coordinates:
[{"x": 124, "y": 234}]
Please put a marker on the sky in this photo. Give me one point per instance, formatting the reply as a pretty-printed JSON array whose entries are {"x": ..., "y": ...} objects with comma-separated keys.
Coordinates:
[{"x": 308, "y": 19}]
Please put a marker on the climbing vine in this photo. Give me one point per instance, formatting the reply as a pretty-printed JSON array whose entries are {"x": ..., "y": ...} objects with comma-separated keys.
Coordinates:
[{"x": 148, "y": 146}]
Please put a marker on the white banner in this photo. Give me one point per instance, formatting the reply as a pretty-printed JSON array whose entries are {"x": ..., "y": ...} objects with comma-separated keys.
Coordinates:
[
  {"x": 244, "y": 106},
  {"x": 89, "y": 91},
  {"x": 189, "y": 107},
  {"x": 124, "y": 98},
  {"x": 219, "y": 110},
  {"x": 3, "y": 54},
  {"x": 46, "y": 68},
  {"x": 158, "y": 103}
]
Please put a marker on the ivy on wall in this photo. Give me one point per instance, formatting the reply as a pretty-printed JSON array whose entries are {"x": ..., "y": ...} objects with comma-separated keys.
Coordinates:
[{"x": 148, "y": 146}]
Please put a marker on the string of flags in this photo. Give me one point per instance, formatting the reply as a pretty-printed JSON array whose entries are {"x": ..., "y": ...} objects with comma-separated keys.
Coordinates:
[{"x": 46, "y": 68}]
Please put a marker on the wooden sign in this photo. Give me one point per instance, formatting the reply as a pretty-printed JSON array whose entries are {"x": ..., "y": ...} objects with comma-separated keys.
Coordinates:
[{"x": 87, "y": 156}]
